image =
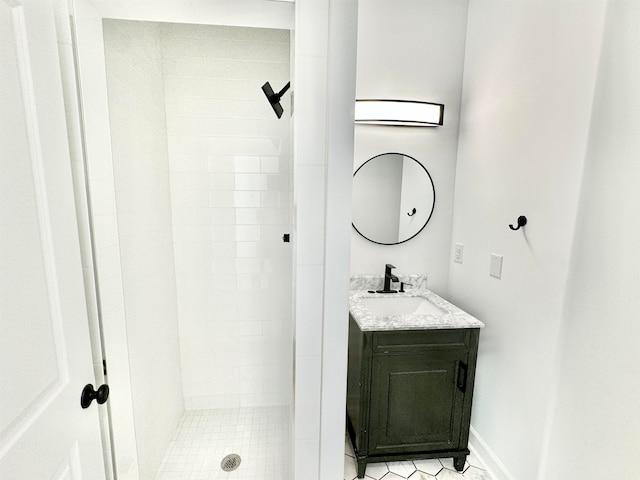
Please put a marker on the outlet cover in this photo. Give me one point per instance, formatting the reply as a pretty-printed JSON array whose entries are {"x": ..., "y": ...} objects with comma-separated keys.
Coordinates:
[
  {"x": 457, "y": 253},
  {"x": 495, "y": 270}
]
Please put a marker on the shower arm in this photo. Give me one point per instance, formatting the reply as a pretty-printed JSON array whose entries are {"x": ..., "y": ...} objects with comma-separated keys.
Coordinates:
[{"x": 278, "y": 96}]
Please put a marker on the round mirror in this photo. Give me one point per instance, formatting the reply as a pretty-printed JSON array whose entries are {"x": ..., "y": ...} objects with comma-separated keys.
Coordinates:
[{"x": 393, "y": 198}]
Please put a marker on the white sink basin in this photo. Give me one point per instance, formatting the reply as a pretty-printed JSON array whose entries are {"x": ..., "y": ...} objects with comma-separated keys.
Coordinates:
[{"x": 401, "y": 306}]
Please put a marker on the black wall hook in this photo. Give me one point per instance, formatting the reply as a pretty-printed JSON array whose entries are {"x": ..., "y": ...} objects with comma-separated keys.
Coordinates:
[{"x": 522, "y": 221}]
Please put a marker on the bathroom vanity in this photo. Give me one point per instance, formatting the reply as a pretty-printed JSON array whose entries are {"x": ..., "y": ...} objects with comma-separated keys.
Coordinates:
[{"x": 412, "y": 360}]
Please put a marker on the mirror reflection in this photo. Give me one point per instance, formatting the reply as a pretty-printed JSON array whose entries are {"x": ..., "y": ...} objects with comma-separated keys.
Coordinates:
[{"x": 393, "y": 198}]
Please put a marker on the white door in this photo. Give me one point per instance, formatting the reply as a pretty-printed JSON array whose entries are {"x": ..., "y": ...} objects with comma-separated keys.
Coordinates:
[{"x": 45, "y": 359}]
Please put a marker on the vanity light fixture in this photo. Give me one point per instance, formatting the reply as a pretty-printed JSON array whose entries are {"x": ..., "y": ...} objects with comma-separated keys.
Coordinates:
[{"x": 403, "y": 113}]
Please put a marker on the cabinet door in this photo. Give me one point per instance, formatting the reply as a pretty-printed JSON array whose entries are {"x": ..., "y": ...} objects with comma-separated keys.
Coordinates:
[{"x": 415, "y": 402}]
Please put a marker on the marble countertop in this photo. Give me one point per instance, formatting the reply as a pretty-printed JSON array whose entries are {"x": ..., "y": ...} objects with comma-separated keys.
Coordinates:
[{"x": 367, "y": 321}]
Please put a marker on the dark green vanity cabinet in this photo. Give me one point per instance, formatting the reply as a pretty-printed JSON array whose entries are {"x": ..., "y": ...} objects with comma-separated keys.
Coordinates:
[{"x": 409, "y": 393}]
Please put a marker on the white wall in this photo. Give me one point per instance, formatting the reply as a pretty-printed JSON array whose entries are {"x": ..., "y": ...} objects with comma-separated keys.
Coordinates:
[
  {"x": 231, "y": 198},
  {"x": 595, "y": 427},
  {"x": 135, "y": 86},
  {"x": 529, "y": 79},
  {"x": 412, "y": 50}
]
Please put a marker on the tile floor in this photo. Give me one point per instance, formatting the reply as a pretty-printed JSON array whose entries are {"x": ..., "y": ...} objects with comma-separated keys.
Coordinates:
[
  {"x": 414, "y": 470},
  {"x": 261, "y": 437},
  {"x": 204, "y": 437}
]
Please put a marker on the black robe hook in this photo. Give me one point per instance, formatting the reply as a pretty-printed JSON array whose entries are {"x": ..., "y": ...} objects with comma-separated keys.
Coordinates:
[{"x": 522, "y": 221}]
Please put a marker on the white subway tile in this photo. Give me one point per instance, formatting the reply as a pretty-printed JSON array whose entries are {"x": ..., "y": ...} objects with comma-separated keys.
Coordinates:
[
  {"x": 247, "y": 328},
  {"x": 246, "y": 216},
  {"x": 222, "y": 198},
  {"x": 224, "y": 249},
  {"x": 270, "y": 164},
  {"x": 250, "y": 181},
  {"x": 247, "y": 232},
  {"x": 223, "y": 266},
  {"x": 247, "y": 249},
  {"x": 276, "y": 199},
  {"x": 224, "y": 282},
  {"x": 222, "y": 232},
  {"x": 246, "y": 164},
  {"x": 221, "y": 181},
  {"x": 248, "y": 265},
  {"x": 246, "y": 198},
  {"x": 220, "y": 163},
  {"x": 220, "y": 145},
  {"x": 257, "y": 146},
  {"x": 278, "y": 183},
  {"x": 222, "y": 216},
  {"x": 245, "y": 281},
  {"x": 223, "y": 140}
]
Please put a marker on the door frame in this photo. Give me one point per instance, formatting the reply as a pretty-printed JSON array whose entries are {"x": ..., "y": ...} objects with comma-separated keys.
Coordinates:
[{"x": 102, "y": 224}]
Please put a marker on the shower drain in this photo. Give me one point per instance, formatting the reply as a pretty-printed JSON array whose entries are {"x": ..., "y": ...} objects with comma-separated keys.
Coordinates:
[{"x": 230, "y": 462}]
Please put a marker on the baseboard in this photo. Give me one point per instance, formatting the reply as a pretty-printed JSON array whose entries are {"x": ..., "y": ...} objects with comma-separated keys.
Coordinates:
[{"x": 494, "y": 466}]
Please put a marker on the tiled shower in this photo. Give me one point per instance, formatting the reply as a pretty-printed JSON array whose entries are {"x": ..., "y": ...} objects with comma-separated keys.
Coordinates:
[{"x": 203, "y": 184}]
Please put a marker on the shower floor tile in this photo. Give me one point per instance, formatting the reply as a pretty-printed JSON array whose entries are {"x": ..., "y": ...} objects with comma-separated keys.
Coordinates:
[{"x": 204, "y": 437}]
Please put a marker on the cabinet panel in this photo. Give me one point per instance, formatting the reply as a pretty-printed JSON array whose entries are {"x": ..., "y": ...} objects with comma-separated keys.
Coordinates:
[
  {"x": 415, "y": 404},
  {"x": 420, "y": 340}
]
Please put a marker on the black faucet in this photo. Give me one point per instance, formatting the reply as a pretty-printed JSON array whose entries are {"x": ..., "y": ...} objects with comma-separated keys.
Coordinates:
[{"x": 388, "y": 278}]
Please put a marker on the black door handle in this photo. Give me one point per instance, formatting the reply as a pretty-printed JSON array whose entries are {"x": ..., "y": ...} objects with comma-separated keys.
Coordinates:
[
  {"x": 461, "y": 380},
  {"x": 89, "y": 394}
]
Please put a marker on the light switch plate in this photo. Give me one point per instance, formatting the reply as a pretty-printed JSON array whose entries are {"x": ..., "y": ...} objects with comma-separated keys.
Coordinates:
[
  {"x": 457, "y": 254},
  {"x": 495, "y": 270}
]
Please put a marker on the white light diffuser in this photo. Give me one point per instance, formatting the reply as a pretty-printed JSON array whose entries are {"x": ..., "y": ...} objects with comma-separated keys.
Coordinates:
[{"x": 404, "y": 113}]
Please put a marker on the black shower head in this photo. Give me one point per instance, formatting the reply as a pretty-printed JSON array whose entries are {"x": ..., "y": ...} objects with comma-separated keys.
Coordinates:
[{"x": 274, "y": 98}]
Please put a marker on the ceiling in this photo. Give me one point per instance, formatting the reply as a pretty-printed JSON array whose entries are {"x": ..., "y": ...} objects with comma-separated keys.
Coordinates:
[{"x": 250, "y": 13}]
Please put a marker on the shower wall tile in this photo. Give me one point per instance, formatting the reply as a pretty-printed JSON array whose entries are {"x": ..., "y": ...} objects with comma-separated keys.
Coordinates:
[
  {"x": 251, "y": 182},
  {"x": 141, "y": 180},
  {"x": 270, "y": 164},
  {"x": 231, "y": 194},
  {"x": 246, "y": 199}
]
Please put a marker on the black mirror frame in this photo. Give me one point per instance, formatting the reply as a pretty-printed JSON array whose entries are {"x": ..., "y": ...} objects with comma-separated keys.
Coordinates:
[{"x": 433, "y": 188}]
